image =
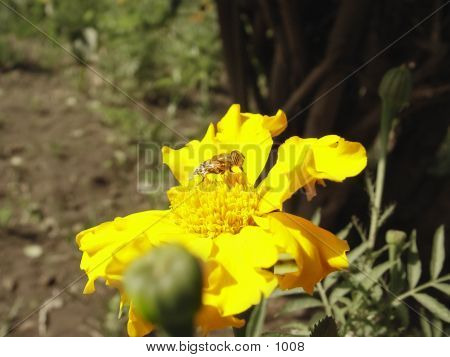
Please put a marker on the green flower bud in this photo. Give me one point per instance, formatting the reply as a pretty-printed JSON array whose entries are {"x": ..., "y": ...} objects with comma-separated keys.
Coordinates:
[
  {"x": 395, "y": 240},
  {"x": 165, "y": 288},
  {"x": 395, "y": 237},
  {"x": 395, "y": 88}
]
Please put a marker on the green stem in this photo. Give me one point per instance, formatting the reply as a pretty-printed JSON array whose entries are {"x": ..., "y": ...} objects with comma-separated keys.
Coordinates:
[
  {"x": 386, "y": 119},
  {"x": 422, "y": 287},
  {"x": 324, "y": 298}
]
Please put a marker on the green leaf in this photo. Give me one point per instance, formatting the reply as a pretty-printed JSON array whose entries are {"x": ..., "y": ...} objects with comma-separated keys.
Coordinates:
[
  {"x": 370, "y": 187},
  {"x": 330, "y": 280},
  {"x": 357, "y": 252},
  {"x": 359, "y": 228},
  {"x": 434, "y": 306},
  {"x": 301, "y": 303},
  {"x": 317, "y": 216},
  {"x": 386, "y": 214},
  {"x": 343, "y": 233},
  {"x": 339, "y": 314},
  {"x": 315, "y": 318},
  {"x": 402, "y": 312},
  {"x": 255, "y": 323},
  {"x": 437, "y": 328},
  {"x": 426, "y": 327},
  {"x": 375, "y": 254},
  {"x": 445, "y": 288},
  {"x": 437, "y": 253},
  {"x": 337, "y": 293},
  {"x": 325, "y": 328},
  {"x": 376, "y": 273},
  {"x": 413, "y": 261}
]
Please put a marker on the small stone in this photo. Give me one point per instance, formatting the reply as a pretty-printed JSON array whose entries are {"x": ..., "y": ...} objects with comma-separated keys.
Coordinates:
[
  {"x": 120, "y": 157},
  {"x": 16, "y": 161},
  {"x": 77, "y": 133},
  {"x": 71, "y": 101},
  {"x": 33, "y": 251}
]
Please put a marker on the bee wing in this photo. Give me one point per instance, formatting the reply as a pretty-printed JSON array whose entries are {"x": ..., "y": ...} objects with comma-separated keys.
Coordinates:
[{"x": 220, "y": 158}]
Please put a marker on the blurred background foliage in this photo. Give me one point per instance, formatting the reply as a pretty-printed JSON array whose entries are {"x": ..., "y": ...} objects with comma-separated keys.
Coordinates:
[
  {"x": 166, "y": 51},
  {"x": 186, "y": 61}
]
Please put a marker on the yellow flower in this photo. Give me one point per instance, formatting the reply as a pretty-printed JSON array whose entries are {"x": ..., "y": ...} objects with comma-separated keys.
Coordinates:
[{"x": 237, "y": 229}]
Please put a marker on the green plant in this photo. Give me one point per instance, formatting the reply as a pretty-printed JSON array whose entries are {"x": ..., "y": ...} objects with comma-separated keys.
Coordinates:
[{"x": 380, "y": 294}]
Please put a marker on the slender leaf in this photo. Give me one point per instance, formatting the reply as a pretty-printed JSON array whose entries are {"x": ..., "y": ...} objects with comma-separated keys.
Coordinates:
[
  {"x": 434, "y": 306},
  {"x": 255, "y": 323},
  {"x": 343, "y": 233},
  {"x": 357, "y": 252},
  {"x": 370, "y": 187},
  {"x": 359, "y": 228},
  {"x": 301, "y": 303},
  {"x": 426, "y": 327},
  {"x": 376, "y": 273},
  {"x": 337, "y": 293},
  {"x": 402, "y": 311},
  {"x": 330, "y": 280},
  {"x": 325, "y": 328},
  {"x": 437, "y": 328},
  {"x": 346, "y": 301},
  {"x": 380, "y": 251},
  {"x": 437, "y": 253},
  {"x": 386, "y": 214},
  {"x": 316, "y": 216},
  {"x": 414, "y": 264},
  {"x": 339, "y": 314},
  {"x": 445, "y": 288}
]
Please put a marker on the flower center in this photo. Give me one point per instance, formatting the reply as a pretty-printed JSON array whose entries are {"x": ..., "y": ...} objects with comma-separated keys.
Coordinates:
[{"x": 222, "y": 203}]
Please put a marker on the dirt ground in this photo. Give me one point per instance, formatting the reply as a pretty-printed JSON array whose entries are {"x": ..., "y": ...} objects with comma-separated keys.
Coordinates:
[{"x": 59, "y": 174}]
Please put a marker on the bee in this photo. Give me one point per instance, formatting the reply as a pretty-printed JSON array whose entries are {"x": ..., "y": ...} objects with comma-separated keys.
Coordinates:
[{"x": 221, "y": 163}]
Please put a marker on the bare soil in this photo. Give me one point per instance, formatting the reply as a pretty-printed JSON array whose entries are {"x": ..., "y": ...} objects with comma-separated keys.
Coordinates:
[{"x": 58, "y": 174}]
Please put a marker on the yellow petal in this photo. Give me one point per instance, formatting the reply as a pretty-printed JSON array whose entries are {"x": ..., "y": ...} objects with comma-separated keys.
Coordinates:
[
  {"x": 316, "y": 251},
  {"x": 121, "y": 241},
  {"x": 182, "y": 162},
  {"x": 303, "y": 162},
  {"x": 244, "y": 257},
  {"x": 137, "y": 326},
  {"x": 209, "y": 319},
  {"x": 276, "y": 124},
  {"x": 251, "y": 134}
]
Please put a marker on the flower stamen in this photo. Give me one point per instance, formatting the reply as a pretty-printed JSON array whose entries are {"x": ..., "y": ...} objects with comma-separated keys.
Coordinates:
[{"x": 219, "y": 203}]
